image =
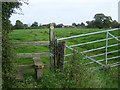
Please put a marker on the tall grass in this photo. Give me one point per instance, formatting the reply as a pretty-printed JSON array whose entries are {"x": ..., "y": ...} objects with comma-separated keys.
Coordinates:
[{"x": 74, "y": 75}]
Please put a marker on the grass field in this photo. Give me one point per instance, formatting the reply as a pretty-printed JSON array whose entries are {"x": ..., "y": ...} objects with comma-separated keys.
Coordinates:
[
  {"x": 30, "y": 35},
  {"x": 43, "y": 35}
]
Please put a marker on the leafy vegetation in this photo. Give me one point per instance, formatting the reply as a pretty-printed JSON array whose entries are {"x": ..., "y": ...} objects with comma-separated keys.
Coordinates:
[
  {"x": 75, "y": 75},
  {"x": 7, "y": 55},
  {"x": 102, "y": 21}
]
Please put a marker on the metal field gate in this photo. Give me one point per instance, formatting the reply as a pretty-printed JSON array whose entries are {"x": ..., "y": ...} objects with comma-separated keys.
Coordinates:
[{"x": 104, "y": 51}]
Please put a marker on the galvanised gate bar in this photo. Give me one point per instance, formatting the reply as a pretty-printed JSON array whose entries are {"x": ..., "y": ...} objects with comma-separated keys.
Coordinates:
[{"x": 109, "y": 36}]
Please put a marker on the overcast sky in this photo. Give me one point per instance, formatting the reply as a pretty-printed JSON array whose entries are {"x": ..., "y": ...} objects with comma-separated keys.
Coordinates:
[{"x": 65, "y": 11}]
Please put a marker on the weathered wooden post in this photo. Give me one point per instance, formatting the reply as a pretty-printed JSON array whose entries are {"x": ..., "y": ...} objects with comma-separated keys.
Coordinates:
[
  {"x": 38, "y": 67},
  {"x": 52, "y": 47},
  {"x": 60, "y": 54}
]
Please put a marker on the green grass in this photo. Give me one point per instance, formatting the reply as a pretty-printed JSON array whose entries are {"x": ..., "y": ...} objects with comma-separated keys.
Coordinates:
[
  {"x": 30, "y": 35},
  {"x": 43, "y": 35}
]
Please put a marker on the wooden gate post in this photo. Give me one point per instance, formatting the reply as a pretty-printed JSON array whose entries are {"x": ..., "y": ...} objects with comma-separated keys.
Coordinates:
[
  {"x": 52, "y": 46},
  {"x": 60, "y": 54}
]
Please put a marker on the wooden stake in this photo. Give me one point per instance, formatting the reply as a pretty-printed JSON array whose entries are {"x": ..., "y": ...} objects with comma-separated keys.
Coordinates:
[{"x": 52, "y": 47}]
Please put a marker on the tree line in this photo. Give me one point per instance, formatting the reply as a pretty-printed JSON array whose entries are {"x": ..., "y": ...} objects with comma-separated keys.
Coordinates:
[
  {"x": 20, "y": 25},
  {"x": 99, "y": 21}
]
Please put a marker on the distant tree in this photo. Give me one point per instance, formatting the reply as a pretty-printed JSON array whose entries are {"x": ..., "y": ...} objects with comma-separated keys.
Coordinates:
[
  {"x": 74, "y": 24},
  {"x": 115, "y": 24},
  {"x": 90, "y": 24},
  {"x": 34, "y": 25},
  {"x": 78, "y": 25},
  {"x": 59, "y": 25},
  {"x": 98, "y": 23},
  {"x": 25, "y": 26},
  {"x": 82, "y": 24},
  {"x": 107, "y": 22},
  {"x": 119, "y": 25},
  {"x": 102, "y": 21},
  {"x": 45, "y": 26},
  {"x": 19, "y": 25},
  {"x": 99, "y": 16}
]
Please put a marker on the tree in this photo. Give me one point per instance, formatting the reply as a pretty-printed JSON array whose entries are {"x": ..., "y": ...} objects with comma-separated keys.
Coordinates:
[
  {"x": 34, "y": 25},
  {"x": 78, "y": 25},
  {"x": 82, "y": 24},
  {"x": 90, "y": 24},
  {"x": 115, "y": 24},
  {"x": 98, "y": 23},
  {"x": 107, "y": 22},
  {"x": 74, "y": 24},
  {"x": 59, "y": 25},
  {"x": 99, "y": 16},
  {"x": 102, "y": 21},
  {"x": 7, "y": 56},
  {"x": 19, "y": 25},
  {"x": 25, "y": 26}
]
